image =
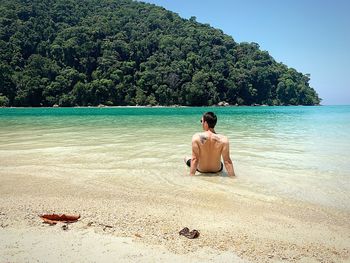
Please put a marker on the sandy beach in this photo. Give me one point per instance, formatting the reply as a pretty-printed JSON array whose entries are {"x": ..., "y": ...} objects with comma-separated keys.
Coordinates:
[
  {"x": 132, "y": 221},
  {"x": 127, "y": 180}
]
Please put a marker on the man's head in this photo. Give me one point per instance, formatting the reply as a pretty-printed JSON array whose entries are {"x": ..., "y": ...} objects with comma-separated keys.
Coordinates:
[{"x": 209, "y": 118}]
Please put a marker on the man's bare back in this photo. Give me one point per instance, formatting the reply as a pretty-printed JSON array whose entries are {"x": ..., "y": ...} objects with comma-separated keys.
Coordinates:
[{"x": 208, "y": 148}]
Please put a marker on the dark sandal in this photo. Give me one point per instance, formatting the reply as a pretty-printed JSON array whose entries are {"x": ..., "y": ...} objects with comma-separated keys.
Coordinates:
[{"x": 189, "y": 234}]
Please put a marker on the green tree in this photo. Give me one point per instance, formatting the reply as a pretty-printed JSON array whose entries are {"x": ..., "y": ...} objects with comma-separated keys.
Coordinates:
[{"x": 4, "y": 101}]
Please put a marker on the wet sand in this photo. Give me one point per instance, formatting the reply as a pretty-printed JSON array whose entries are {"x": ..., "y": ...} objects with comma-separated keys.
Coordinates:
[{"x": 125, "y": 220}]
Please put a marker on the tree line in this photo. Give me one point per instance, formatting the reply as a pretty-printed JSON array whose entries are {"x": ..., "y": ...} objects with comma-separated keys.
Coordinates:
[{"x": 123, "y": 52}]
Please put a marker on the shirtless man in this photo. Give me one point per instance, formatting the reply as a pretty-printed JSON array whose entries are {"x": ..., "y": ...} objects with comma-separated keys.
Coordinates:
[{"x": 207, "y": 149}]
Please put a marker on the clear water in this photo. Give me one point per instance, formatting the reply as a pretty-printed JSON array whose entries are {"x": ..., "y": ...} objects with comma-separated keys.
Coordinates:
[{"x": 301, "y": 153}]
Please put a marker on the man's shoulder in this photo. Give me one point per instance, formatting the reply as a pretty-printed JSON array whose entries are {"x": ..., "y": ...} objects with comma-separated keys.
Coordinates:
[
  {"x": 223, "y": 138},
  {"x": 220, "y": 137},
  {"x": 198, "y": 135}
]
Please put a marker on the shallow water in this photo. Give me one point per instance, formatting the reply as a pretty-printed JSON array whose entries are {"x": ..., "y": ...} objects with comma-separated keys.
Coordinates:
[{"x": 301, "y": 153}]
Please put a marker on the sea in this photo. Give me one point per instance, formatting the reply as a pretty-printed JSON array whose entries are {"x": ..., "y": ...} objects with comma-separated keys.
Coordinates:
[{"x": 296, "y": 152}]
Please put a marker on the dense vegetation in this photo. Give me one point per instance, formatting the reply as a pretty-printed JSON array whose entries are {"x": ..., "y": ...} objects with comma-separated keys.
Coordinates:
[{"x": 122, "y": 52}]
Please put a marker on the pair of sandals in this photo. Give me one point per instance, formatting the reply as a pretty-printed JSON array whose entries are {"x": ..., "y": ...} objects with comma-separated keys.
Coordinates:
[
  {"x": 189, "y": 234},
  {"x": 54, "y": 218}
]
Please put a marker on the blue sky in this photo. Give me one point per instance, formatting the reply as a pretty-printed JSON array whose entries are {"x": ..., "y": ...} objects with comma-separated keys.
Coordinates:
[{"x": 312, "y": 36}]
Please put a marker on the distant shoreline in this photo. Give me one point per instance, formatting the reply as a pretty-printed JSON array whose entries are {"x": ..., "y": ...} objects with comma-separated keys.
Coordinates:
[{"x": 170, "y": 106}]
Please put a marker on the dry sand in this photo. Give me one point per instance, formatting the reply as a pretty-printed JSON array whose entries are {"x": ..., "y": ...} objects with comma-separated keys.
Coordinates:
[{"x": 131, "y": 221}]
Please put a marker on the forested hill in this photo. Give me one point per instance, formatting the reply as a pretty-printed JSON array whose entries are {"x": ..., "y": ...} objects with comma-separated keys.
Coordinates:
[{"x": 121, "y": 52}]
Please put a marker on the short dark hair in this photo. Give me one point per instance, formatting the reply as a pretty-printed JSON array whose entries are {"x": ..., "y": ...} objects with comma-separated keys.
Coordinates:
[{"x": 210, "y": 118}]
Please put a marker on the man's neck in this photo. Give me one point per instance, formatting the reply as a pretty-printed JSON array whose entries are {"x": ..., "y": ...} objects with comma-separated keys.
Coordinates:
[{"x": 211, "y": 130}]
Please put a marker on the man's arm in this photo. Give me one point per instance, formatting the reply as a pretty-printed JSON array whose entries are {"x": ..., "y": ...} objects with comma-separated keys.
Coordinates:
[
  {"x": 227, "y": 159},
  {"x": 195, "y": 155}
]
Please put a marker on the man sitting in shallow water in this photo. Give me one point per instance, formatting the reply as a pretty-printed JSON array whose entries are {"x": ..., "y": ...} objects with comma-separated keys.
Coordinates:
[{"x": 208, "y": 147}]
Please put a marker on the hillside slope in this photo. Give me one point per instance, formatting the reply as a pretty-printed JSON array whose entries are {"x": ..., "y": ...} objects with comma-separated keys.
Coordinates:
[{"x": 121, "y": 52}]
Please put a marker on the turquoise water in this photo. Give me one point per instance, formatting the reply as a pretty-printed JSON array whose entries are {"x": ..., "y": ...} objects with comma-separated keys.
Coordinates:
[{"x": 301, "y": 153}]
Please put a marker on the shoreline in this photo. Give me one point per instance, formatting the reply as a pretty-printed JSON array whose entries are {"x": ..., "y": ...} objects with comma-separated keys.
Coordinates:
[
  {"x": 249, "y": 227},
  {"x": 160, "y": 106}
]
